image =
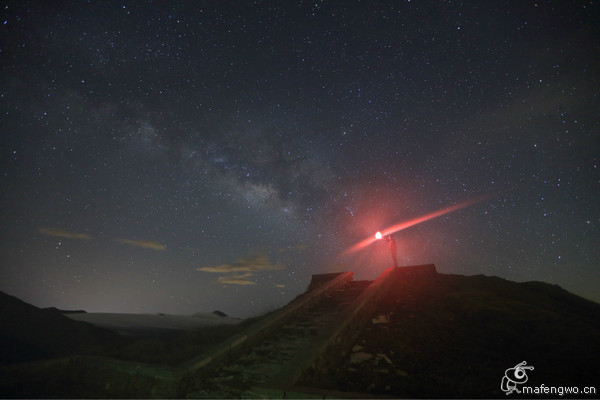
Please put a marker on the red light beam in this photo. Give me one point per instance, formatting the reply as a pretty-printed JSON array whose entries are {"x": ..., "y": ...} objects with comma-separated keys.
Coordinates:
[{"x": 403, "y": 225}]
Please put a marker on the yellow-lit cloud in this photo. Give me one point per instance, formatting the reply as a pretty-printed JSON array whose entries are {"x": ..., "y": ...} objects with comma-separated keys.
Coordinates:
[
  {"x": 63, "y": 233},
  {"x": 254, "y": 263},
  {"x": 236, "y": 279},
  {"x": 147, "y": 244}
]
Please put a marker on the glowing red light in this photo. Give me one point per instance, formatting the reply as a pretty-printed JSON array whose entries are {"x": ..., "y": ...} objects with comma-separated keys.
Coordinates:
[{"x": 415, "y": 221}]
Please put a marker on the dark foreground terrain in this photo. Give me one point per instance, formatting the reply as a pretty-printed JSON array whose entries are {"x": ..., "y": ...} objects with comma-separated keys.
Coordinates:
[
  {"x": 439, "y": 336},
  {"x": 455, "y": 336}
]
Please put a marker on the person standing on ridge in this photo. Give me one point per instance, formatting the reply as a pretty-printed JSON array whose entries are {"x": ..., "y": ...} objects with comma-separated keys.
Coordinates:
[{"x": 392, "y": 247}]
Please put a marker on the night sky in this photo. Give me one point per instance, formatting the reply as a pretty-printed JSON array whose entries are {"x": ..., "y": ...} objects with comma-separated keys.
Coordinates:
[{"x": 189, "y": 156}]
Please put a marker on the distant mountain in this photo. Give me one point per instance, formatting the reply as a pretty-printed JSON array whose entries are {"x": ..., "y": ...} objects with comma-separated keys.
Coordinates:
[
  {"x": 141, "y": 324},
  {"x": 29, "y": 333},
  {"x": 71, "y": 311},
  {"x": 219, "y": 313}
]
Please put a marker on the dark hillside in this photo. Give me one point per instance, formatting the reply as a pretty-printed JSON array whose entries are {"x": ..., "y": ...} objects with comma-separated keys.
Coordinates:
[
  {"x": 30, "y": 333},
  {"x": 422, "y": 336},
  {"x": 454, "y": 336},
  {"x": 41, "y": 353}
]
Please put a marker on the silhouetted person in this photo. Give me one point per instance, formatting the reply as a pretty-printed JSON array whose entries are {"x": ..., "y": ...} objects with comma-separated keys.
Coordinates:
[{"x": 392, "y": 247}]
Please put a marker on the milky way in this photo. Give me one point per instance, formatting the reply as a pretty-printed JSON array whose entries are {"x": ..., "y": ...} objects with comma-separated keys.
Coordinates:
[{"x": 189, "y": 156}]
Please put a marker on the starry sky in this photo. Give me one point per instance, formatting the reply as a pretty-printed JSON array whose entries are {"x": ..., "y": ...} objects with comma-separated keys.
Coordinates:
[{"x": 186, "y": 156}]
